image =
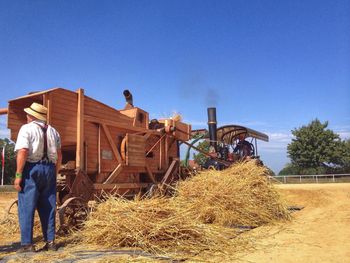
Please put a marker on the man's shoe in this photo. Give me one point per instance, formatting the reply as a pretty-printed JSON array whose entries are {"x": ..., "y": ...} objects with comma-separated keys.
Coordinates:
[
  {"x": 50, "y": 246},
  {"x": 26, "y": 248}
]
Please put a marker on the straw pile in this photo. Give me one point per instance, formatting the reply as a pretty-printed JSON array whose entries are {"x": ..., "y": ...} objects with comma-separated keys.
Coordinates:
[
  {"x": 192, "y": 221},
  {"x": 157, "y": 225},
  {"x": 238, "y": 196},
  {"x": 9, "y": 224}
]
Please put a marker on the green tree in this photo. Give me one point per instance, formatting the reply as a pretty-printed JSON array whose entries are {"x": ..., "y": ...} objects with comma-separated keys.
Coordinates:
[
  {"x": 315, "y": 149},
  {"x": 10, "y": 160},
  {"x": 345, "y": 157},
  {"x": 199, "y": 157}
]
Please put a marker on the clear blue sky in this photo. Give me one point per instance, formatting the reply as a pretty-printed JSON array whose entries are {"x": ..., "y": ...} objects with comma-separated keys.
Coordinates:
[{"x": 270, "y": 65}]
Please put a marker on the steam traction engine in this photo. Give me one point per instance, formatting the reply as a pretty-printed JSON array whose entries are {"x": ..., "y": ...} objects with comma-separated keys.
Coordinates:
[{"x": 228, "y": 144}]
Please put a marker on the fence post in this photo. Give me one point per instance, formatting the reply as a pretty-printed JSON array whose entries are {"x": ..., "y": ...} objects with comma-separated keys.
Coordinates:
[
  {"x": 284, "y": 179},
  {"x": 333, "y": 178},
  {"x": 316, "y": 179}
]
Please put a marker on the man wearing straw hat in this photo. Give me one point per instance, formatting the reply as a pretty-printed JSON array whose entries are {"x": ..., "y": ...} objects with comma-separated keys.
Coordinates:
[{"x": 39, "y": 155}]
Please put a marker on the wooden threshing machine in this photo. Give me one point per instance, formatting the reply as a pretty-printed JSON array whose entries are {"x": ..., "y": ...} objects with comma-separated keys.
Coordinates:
[{"x": 104, "y": 149}]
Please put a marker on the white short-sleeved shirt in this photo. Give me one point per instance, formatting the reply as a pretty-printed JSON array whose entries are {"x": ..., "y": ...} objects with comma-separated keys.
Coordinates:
[{"x": 31, "y": 137}]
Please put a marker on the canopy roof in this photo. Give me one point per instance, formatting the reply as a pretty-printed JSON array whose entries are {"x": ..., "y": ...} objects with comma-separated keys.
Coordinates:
[{"x": 229, "y": 133}]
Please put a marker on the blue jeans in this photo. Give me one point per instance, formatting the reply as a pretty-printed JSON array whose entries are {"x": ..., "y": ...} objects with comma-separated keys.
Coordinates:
[{"x": 38, "y": 192}]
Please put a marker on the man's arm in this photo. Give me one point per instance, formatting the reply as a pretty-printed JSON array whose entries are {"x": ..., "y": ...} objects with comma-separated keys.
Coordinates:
[{"x": 22, "y": 155}]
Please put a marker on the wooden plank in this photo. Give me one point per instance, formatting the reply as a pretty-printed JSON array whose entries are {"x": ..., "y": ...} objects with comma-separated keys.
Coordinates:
[
  {"x": 112, "y": 144},
  {"x": 105, "y": 112},
  {"x": 114, "y": 174},
  {"x": 158, "y": 141},
  {"x": 168, "y": 172},
  {"x": 134, "y": 169},
  {"x": 99, "y": 149},
  {"x": 69, "y": 101},
  {"x": 161, "y": 153},
  {"x": 48, "y": 104},
  {"x": 131, "y": 113},
  {"x": 120, "y": 186},
  {"x": 135, "y": 150},
  {"x": 33, "y": 95},
  {"x": 147, "y": 134},
  {"x": 80, "y": 131},
  {"x": 13, "y": 117},
  {"x": 65, "y": 111},
  {"x": 14, "y": 125},
  {"x": 65, "y": 97},
  {"x": 62, "y": 99},
  {"x": 60, "y": 118},
  {"x": 66, "y": 127},
  {"x": 166, "y": 151},
  {"x": 119, "y": 125},
  {"x": 150, "y": 174}
]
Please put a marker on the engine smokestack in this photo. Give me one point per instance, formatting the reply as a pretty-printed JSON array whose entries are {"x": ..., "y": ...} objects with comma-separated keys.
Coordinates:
[
  {"x": 128, "y": 97},
  {"x": 212, "y": 127}
]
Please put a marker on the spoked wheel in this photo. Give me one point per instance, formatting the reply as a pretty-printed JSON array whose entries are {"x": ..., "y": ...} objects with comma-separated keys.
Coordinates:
[
  {"x": 72, "y": 213},
  {"x": 12, "y": 207}
]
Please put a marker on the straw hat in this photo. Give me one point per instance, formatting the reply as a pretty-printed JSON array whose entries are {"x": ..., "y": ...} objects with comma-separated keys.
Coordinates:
[{"x": 37, "y": 110}]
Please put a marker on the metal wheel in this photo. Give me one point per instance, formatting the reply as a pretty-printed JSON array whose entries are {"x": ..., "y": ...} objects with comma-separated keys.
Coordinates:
[
  {"x": 13, "y": 205},
  {"x": 72, "y": 213},
  {"x": 212, "y": 168}
]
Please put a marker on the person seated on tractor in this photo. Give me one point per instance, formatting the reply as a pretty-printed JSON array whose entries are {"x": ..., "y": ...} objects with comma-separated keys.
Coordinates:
[{"x": 243, "y": 149}]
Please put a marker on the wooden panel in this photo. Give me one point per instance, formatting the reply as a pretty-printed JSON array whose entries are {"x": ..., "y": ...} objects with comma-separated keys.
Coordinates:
[
  {"x": 139, "y": 116},
  {"x": 135, "y": 150},
  {"x": 68, "y": 125},
  {"x": 100, "y": 110},
  {"x": 153, "y": 163},
  {"x": 112, "y": 143},
  {"x": 131, "y": 113},
  {"x": 62, "y": 99},
  {"x": 65, "y": 110},
  {"x": 134, "y": 169},
  {"x": 68, "y": 136},
  {"x": 182, "y": 131},
  {"x": 127, "y": 177},
  {"x": 16, "y": 116},
  {"x": 122, "y": 126},
  {"x": 64, "y": 115},
  {"x": 107, "y": 165},
  {"x": 91, "y": 139}
]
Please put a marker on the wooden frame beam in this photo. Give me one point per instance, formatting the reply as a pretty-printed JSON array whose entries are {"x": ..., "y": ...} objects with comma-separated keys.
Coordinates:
[
  {"x": 150, "y": 150},
  {"x": 99, "y": 149},
  {"x": 168, "y": 172},
  {"x": 112, "y": 144},
  {"x": 150, "y": 174},
  {"x": 114, "y": 174},
  {"x": 120, "y": 186},
  {"x": 80, "y": 131},
  {"x": 48, "y": 101},
  {"x": 119, "y": 125}
]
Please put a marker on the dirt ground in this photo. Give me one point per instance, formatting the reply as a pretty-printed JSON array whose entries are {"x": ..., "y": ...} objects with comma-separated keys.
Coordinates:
[{"x": 319, "y": 232}]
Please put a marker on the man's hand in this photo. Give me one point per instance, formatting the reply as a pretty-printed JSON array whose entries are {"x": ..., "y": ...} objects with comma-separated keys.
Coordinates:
[
  {"x": 22, "y": 155},
  {"x": 17, "y": 184}
]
